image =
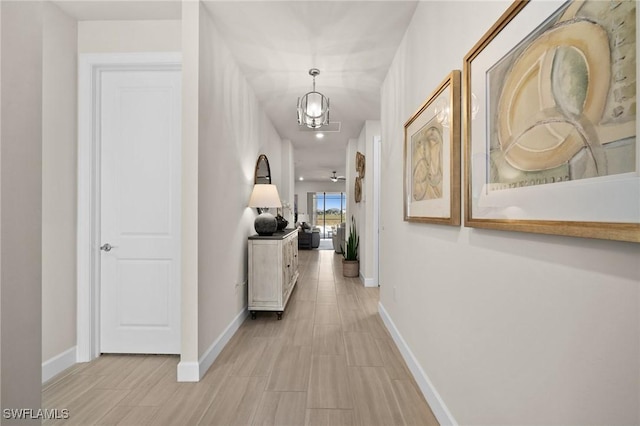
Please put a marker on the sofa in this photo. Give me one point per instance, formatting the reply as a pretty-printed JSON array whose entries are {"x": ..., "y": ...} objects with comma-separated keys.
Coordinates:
[
  {"x": 338, "y": 237},
  {"x": 308, "y": 238}
]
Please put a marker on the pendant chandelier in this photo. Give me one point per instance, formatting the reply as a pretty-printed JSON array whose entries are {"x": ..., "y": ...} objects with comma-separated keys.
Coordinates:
[{"x": 313, "y": 108}]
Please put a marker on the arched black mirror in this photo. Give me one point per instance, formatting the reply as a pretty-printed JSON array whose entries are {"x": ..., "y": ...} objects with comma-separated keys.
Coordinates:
[{"x": 263, "y": 171}]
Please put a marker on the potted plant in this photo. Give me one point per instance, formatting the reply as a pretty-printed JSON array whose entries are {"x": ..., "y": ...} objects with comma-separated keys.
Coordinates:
[{"x": 350, "y": 263}]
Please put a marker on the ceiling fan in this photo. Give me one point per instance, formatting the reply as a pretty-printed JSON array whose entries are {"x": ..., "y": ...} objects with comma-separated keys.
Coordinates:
[{"x": 335, "y": 178}]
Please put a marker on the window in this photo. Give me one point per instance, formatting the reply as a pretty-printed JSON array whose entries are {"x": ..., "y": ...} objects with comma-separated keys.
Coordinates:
[{"x": 329, "y": 211}]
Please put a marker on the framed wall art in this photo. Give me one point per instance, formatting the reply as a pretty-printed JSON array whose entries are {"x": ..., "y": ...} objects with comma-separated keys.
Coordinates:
[
  {"x": 549, "y": 99},
  {"x": 432, "y": 157},
  {"x": 360, "y": 164}
]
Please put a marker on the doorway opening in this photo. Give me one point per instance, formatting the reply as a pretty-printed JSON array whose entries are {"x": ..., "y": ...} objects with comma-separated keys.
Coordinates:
[
  {"x": 94, "y": 254},
  {"x": 329, "y": 212}
]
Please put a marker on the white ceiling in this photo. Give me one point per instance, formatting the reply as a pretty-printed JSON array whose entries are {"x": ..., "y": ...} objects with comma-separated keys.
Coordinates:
[
  {"x": 106, "y": 10},
  {"x": 276, "y": 43},
  {"x": 352, "y": 43}
]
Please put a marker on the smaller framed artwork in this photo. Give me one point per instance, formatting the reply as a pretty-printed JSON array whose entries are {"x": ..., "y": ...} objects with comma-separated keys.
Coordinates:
[
  {"x": 432, "y": 157},
  {"x": 358, "y": 189}
]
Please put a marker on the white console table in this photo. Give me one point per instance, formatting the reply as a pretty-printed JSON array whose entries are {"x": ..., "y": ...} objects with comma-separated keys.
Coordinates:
[{"x": 273, "y": 271}]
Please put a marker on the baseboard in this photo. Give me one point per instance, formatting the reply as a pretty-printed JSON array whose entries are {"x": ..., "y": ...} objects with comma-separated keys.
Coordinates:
[
  {"x": 210, "y": 355},
  {"x": 367, "y": 282},
  {"x": 430, "y": 393},
  {"x": 188, "y": 372},
  {"x": 194, "y": 371},
  {"x": 56, "y": 365}
]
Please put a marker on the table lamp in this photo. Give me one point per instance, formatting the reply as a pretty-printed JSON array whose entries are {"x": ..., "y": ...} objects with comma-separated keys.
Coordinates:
[
  {"x": 303, "y": 218},
  {"x": 264, "y": 196}
]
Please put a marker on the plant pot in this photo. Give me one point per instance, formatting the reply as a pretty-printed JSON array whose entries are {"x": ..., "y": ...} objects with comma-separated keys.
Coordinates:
[{"x": 350, "y": 268}]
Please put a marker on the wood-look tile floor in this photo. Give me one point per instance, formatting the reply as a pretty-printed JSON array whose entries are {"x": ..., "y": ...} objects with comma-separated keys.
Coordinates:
[{"x": 329, "y": 361}]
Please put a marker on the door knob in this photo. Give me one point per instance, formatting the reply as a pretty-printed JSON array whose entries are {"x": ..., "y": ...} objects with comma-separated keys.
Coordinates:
[{"x": 106, "y": 247}]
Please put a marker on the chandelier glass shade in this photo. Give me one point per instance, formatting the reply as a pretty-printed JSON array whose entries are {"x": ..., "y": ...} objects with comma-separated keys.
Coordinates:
[{"x": 313, "y": 107}]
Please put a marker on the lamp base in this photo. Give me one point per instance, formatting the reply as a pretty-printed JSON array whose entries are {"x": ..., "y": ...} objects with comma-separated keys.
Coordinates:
[{"x": 265, "y": 224}]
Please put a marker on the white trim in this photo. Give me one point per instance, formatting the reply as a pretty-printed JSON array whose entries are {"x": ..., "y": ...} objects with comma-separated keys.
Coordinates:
[
  {"x": 87, "y": 260},
  {"x": 368, "y": 282},
  {"x": 56, "y": 365},
  {"x": 377, "y": 170},
  {"x": 90, "y": 67},
  {"x": 210, "y": 355},
  {"x": 439, "y": 408},
  {"x": 194, "y": 371},
  {"x": 188, "y": 372}
]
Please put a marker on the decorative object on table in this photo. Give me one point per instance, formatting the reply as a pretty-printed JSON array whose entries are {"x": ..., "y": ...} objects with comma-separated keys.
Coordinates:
[
  {"x": 282, "y": 215},
  {"x": 263, "y": 197},
  {"x": 360, "y": 164},
  {"x": 281, "y": 221},
  {"x": 553, "y": 150},
  {"x": 432, "y": 157},
  {"x": 285, "y": 205},
  {"x": 358, "y": 189},
  {"x": 350, "y": 263},
  {"x": 313, "y": 107},
  {"x": 262, "y": 173}
]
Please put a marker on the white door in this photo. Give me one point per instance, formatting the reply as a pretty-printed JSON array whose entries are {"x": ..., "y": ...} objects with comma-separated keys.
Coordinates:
[{"x": 139, "y": 131}]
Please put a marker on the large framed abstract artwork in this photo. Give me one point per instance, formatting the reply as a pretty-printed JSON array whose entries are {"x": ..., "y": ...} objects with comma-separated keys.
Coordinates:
[
  {"x": 549, "y": 106},
  {"x": 432, "y": 157}
]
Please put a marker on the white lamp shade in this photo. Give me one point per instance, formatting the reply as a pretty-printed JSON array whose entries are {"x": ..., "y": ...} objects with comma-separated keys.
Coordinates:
[
  {"x": 264, "y": 195},
  {"x": 303, "y": 217}
]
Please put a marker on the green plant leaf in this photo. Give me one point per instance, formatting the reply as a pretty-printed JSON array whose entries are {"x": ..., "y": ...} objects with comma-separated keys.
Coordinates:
[{"x": 353, "y": 242}]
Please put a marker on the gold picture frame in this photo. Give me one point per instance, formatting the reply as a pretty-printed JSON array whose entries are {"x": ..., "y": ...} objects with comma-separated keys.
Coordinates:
[
  {"x": 550, "y": 122},
  {"x": 432, "y": 157}
]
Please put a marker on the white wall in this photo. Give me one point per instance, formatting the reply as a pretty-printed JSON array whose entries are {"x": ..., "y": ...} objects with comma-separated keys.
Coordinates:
[
  {"x": 188, "y": 369},
  {"x": 59, "y": 181},
  {"x": 233, "y": 130},
  {"x": 129, "y": 36},
  {"x": 21, "y": 206},
  {"x": 286, "y": 189},
  {"x": 63, "y": 39},
  {"x": 350, "y": 175},
  {"x": 510, "y": 328},
  {"x": 363, "y": 211},
  {"x": 1, "y": 404}
]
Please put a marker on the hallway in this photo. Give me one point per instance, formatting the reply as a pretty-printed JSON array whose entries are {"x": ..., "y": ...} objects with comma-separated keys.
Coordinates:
[{"x": 330, "y": 361}]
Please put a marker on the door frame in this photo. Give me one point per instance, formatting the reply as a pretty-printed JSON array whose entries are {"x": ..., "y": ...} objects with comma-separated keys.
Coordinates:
[
  {"x": 377, "y": 178},
  {"x": 91, "y": 67}
]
